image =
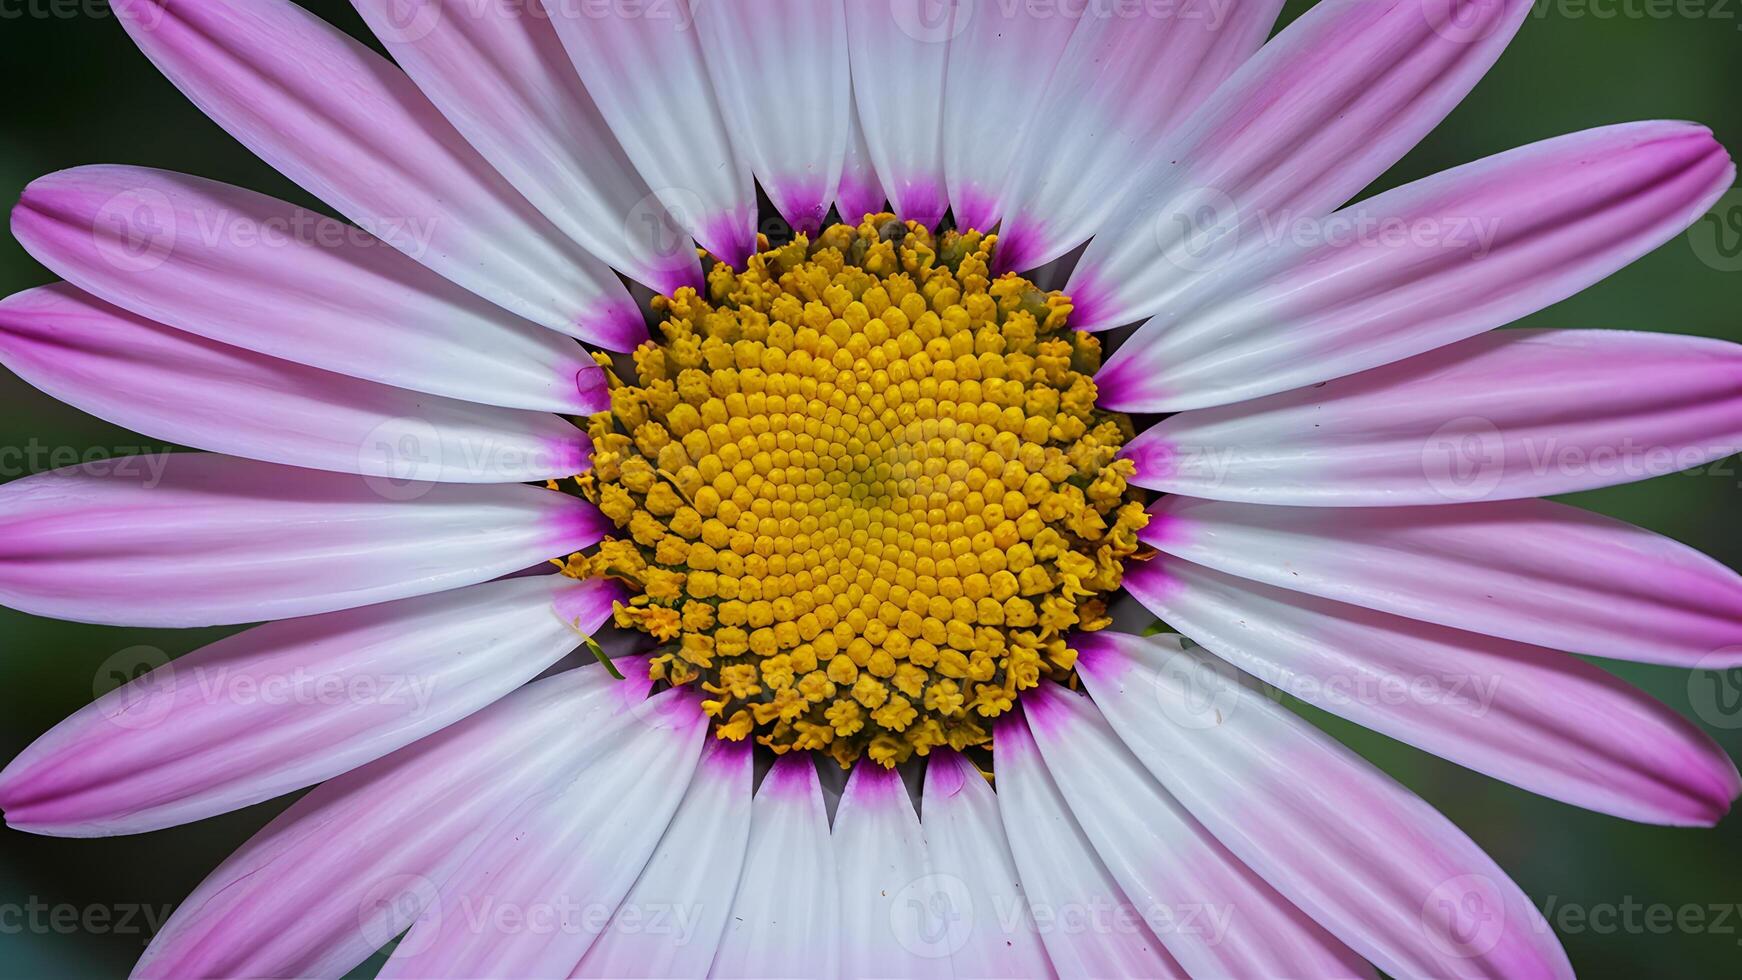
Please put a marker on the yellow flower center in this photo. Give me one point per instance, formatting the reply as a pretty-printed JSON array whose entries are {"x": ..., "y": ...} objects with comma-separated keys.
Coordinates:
[{"x": 864, "y": 491}]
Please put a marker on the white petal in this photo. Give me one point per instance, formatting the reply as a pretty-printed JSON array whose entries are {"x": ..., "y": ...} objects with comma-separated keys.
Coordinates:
[
  {"x": 780, "y": 72},
  {"x": 988, "y": 929},
  {"x": 195, "y": 539},
  {"x": 861, "y": 192},
  {"x": 1365, "y": 857},
  {"x": 642, "y": 63},
  {"x": 350, "y": 865},
  {"x": 497, "y": 71},
  {"x": 1527, "y": 570},
  {"x": 543, "y": 880},
  {"x": 1088, "y": 925},
  {"x": 900, "y": 54},
  {"x": 1000, "y": 63},
  {"x": 887, "y": 890},
  {"x": 1537, "y": 718},
  {"x": 1130, "y": 74},
  {"x": 249, "y": 271},
  {"x": 1503, "y": 415},
  {"x": 672, "y": 920},
  {"x": 291, "y": 703},
  {"x": 351, "y": 129},
  {"x": 1214, "y": 914},
  {"x": 182, "y": 388},
  {"x": 786, "y": 916}
]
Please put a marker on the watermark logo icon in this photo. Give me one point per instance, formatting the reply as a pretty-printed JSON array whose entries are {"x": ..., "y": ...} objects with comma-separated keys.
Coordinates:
[
  {"x": 1465, "y": 916},
  {"x": 933, "y": 917},
  {"x": 135, "y": 230},
  {"x": 137, "y": 687},
  {"x": 1464, "y": 459},
  {"x": 1716, "y": 237},
  {"x": 932, "y": 21}
]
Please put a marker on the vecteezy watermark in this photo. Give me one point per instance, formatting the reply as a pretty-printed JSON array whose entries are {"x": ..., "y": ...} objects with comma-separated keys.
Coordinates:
[
  {"x": 139, "y": 229},
  {"x": 1632, "y": 917},
  {"x": 1715, "y": 688},
  {"x": 140, "y": 687},
  {"x": 1467, "y": 459},
  {"x": 1465, "y": 916},
  {"x": 1716, "y": 237},
  {"x": 34, "y": 916},
  {"x": 1203, "y": 228},
  {"x": 142, "y": 464},
  {"x": 933, "y": 917}
]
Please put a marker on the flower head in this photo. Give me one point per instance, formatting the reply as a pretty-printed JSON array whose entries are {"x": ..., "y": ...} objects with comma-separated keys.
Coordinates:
[{"x": 875, "y": 482}]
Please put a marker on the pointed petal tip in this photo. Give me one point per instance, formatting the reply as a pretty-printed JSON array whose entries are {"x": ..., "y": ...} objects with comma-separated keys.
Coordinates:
[{"x": 618, "y": 327}]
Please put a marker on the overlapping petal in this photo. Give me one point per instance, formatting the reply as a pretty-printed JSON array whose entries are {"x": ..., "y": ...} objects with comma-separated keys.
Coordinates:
[
  {"x": 186, "y": 389},
  {"x": 1513, "y": 413},
  {"x": 880, "y": 856},
  {"x": 355, "y": 862},
  {"x": 199, "y": 540},
  {"x": 642, "y": 64},
  {"x": 1537, "y": 718},
  {"x": 249, "y": 271},
  {"x": 1369, "y": 860},
  {"x": 1130, "y": 74},
  {"x": 786, "y": 914},
  {"x": 1526, "y": 570},
  {"x": 352, "y": 129},
  {"x": 290, "y": 703},
  {"x": 671, "y": 922},
  {"x": 987, "y": 929},
  {"x": 1089, "y": 926},
  {"x": 900, "y": 56},
  {"x": 1418, "y": 267},
  {"x": 1212, "y": 912},
  {"x": 779, "y": 69},
  {"x": 1317, "y": 114},
  {"x": 542, "y": 881},
  {"x": 999, "y": 64},
  {"x": 497, "y": 71}
]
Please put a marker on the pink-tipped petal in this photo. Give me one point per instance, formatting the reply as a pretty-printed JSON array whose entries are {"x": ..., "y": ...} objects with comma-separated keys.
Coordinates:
[
  {"x": 1526, "y": 570},
  {"x": 352, "y": 864},
  {"x": 899, "y": 56},
  {"x": 497, "y": 71},
  {"x": 786, "y": 915},
  {"x": 1129, "y": 76},
  {"x": 1317, "y": 114},
  {"x": 779, "y": 69},
  {"x": 1090, "y": 928},
  {"x": 1215, "y": 915},
  {"x": 861, "y": 192},
  {"x": 1425, "y": 265},
  {"x": 976, "y": 893},
  {"x": 291, "y": 703},
  {"x": 351, "y": 129},
  {"x": 642, "y": 65},
  {"x": 193, "y": 539},
  {"x": 186, "y": 389},
  {"x": 671, "y": 922},
  {"x": 249, "y": 271},
  {"x": 556, "y": 866},
  {"x": 999, "y": 65},
  {"x": 888, "y": 911},
  {"x": 1509, "y": 414},
  {"x": 1379, "y": 868},
  {"x": 1537, "y": 718}
]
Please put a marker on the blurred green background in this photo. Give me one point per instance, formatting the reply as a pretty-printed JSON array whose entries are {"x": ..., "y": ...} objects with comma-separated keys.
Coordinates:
[{"x": 80, "y": 93}]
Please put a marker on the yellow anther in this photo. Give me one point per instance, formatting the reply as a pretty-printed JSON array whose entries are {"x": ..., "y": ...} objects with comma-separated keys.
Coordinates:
[{"x": 864, "y": 492}]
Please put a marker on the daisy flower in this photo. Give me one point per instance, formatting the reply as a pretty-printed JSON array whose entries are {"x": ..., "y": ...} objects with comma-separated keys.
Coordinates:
[{"x": 867, "y": 505}]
